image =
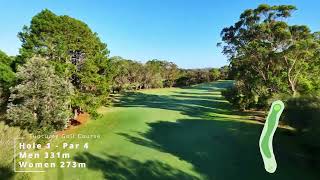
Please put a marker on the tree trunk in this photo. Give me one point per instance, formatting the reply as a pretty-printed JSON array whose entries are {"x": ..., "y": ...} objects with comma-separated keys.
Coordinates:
[
  {"x": 293, "y": 87},
  {"x": 75, "y": 111}
]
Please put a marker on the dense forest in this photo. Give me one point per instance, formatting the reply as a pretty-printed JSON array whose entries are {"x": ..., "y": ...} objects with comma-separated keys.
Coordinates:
[{"x": 271, "y": 59}]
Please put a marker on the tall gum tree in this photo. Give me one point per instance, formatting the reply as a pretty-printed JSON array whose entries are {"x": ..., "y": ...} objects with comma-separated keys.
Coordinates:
[{"x": 267, "y": 55}]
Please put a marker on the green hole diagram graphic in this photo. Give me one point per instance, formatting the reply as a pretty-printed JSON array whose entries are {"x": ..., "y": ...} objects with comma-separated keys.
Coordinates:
[{"x": 266, "y": 138}]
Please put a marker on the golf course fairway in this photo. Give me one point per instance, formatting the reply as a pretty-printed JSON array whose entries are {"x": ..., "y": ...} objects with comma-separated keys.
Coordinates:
[{"x": 178, "y": 133}]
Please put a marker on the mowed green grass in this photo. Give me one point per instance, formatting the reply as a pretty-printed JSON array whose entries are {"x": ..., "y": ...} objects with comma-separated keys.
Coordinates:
[{"x": 179, "y": 133}]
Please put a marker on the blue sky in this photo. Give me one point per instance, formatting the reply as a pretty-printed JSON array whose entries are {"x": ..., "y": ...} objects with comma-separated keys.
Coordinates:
[{"x": 183, "y": 31}]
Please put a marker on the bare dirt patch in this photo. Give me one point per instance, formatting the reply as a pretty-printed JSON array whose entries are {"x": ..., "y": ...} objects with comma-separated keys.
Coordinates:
[{"x": 82, "y": 119}]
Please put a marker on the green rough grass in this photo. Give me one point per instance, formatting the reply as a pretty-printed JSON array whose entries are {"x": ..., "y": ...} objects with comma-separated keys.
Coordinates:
[
  {"x": 179, "y": 133},
  {"x": 7, "y": 134}
]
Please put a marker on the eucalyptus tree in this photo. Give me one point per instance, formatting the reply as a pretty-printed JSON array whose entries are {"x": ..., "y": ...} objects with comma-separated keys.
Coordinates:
[
  {"x": 161, "y": 73},
  {"x": 153, "y": 76},
  {"x": 267, "y": 55},
  {"x": 215, "y": 74},
  {"x": 171, "y": 73}
]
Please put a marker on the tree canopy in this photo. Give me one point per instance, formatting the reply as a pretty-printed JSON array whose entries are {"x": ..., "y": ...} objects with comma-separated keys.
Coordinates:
[
  {"x": 7, "y": 74},
  {"x": 75, "y": 51},
  {"x": 41, "y": 101},
  {"x": 268, "y": 56},
  {"x": 7, "y": 77}
]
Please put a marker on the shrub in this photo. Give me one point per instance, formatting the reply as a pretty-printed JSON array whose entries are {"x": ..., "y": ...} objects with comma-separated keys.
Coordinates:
[
  {"x": 237, "y": 99},
  {"x": 7, "y": 134},
  {"x": 303, "y": 113},
  {"x": 40, "y": 102}
]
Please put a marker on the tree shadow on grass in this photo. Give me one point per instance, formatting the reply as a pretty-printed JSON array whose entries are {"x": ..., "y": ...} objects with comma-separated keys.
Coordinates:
[
  {"x": 218, "y": 85},
  {"x": 199, "y": 102},
  {"x": 217, "y": 140},
  {"x": 6, "y": 173},
  {"x": 221, "y": 149},
  {"x": 125, "y": 168}
]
